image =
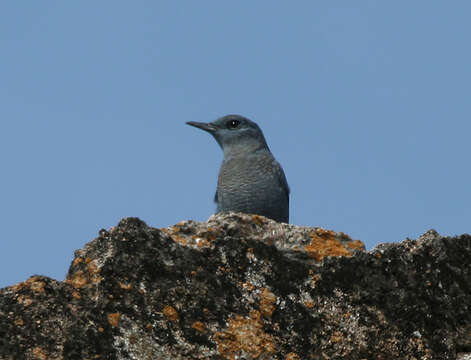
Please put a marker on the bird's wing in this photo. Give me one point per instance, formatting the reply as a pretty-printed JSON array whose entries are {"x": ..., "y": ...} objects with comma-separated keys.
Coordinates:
[{"x": 280, "y": 174}]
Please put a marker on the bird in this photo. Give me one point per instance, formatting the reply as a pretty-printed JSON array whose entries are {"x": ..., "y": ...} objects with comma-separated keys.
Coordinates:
[{"x": 250, "y": 179}]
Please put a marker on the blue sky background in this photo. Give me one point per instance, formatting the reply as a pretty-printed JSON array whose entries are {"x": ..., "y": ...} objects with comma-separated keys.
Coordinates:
[{"x": 365, "y": 103}]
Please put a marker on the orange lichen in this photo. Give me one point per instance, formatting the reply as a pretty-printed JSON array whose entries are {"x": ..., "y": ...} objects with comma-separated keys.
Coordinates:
[
  {"x": 173, "y": 233},
  {"x": 77, "y": 261},
  {"x": 125, "y": 286},
  {"x": 93, "y": 271},
  {"x": 210, "y": 233},
  {"x": 267, "y": 302},
  {"x": 201, "y": 238},
  {"x": 309, "y": 304},
  {"x": 314, "y": 275},
  {"x": 250, "y": 255},
  {"x": 258, "y": 220},
  {"x": 170, "y": 313},
  {"x": 324, "y": 243},
  {"x": 248, "y": 286},
  {"x": 199, "y": 326},
  {"x": 292, "y": 356},
  {"x": 113, "y": 318},
  {"x": 336, "y": 337},
  {"x": 244, "y": 335},
  {"x": 34, "y": 283},
  {"x": 38, "y": 286},
  {"x": 23, "y": 300},
  {"x": 81, "y": 277},
  {"x": 39, "y": 353},
  {"x": 179, "y": 239},
  {"x": 77, "y": 280},
  {"x": 356, "y": 245},
  {"x": 200, "y": 241}
]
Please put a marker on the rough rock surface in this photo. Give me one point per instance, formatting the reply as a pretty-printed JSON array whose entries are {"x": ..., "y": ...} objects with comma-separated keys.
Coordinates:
[{"x": 245, "y": 287}]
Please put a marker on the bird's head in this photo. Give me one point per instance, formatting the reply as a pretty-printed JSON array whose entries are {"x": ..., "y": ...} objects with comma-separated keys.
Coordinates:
[{"x": 235, "y": 134}]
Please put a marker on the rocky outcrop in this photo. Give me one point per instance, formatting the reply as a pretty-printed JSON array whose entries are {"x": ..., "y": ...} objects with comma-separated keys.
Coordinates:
[{"x": 245, "y": 287}]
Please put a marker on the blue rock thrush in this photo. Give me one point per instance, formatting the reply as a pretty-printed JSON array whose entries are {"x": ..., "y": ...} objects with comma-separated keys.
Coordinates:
[{"x": 250, "y": 179}]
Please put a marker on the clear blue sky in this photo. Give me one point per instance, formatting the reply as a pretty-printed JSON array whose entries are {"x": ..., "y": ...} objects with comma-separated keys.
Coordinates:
[{"x": 365, "y": 103}]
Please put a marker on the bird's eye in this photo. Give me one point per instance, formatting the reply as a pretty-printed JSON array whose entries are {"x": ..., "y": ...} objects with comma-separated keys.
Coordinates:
[{"x": 232, "y": 124}]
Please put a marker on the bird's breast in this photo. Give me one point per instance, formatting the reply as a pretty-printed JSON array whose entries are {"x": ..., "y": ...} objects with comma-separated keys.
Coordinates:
[{"x": 250, "y": 185}]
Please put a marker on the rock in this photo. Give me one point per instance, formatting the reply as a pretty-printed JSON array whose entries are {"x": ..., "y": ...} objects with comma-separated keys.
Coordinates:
[{"x": 245, "y": 287}]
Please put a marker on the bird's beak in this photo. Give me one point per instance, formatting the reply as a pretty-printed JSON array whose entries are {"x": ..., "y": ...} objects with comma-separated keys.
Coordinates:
[{"x": 203, "y": 126}]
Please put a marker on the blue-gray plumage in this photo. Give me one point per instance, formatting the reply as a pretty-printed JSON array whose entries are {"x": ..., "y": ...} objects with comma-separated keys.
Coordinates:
[{"x": 250, "y": 179}]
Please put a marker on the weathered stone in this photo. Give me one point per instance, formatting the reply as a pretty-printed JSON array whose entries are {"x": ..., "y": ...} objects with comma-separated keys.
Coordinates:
[{"x": 245, "y": 287}]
